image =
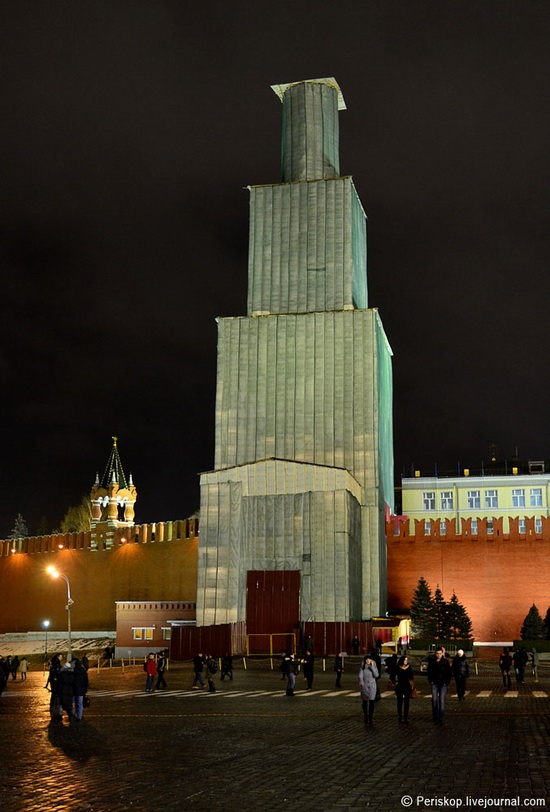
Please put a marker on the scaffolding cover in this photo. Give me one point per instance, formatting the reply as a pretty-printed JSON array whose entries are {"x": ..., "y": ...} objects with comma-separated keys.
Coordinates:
[
  {"x": 307, "y": 248},
  {"x": 279, "y": 515}
]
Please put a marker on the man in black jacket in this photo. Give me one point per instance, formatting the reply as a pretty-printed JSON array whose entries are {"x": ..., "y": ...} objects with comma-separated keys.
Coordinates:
[{"x": 439, "y": 677}]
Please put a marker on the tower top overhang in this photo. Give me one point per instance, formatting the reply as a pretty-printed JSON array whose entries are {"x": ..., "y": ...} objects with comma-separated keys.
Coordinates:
[{"x": 280, "y": 90}]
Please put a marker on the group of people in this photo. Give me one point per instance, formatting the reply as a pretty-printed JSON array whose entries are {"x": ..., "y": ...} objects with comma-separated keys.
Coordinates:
[
  {"x": 155, "y": 667},
  {"x": 517, "y": 661},
  {"x": 207, "y": 661},
  {"x": 290, "y": 668},
  {"x": 68, "y": 684},
  {"x": 9, "y": 668},
  {"x": 440, "y": 672}
]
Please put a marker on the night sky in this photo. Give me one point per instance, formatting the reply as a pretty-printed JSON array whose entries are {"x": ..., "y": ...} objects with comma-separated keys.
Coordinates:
[{"x": 129, "y": 133}]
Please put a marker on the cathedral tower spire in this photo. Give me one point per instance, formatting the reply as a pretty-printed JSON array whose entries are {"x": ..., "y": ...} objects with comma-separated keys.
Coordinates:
[{"x": 113, "y": 498}]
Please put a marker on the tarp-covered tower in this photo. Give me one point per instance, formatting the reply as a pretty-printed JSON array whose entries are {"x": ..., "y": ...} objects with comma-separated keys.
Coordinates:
[{"x": 303, "y": 473}]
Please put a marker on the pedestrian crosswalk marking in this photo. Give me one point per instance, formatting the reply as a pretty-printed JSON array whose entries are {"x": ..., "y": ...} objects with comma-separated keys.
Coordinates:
[{"x": 321, "y": 693}]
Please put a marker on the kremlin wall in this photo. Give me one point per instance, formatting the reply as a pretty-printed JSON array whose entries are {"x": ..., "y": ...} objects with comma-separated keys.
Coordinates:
[
  {"x": 496, "y": 577},
  {"x": 137, "y": 563}
]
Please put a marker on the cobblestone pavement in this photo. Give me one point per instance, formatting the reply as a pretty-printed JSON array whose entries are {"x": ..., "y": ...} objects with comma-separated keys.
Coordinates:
[{"x": 249, "y": 747}]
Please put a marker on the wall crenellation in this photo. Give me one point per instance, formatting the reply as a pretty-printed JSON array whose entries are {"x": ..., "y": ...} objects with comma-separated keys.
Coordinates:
[{"x": 156, "y": 532}]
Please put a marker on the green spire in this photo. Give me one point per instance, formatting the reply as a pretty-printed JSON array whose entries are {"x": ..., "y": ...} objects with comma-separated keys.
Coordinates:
[{"x": 113, "y": 470}]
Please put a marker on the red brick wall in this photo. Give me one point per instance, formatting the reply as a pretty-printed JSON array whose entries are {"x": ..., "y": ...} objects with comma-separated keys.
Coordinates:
[
  {"x": 496, "y": 580},
  {"x": 148, "y": 572}
]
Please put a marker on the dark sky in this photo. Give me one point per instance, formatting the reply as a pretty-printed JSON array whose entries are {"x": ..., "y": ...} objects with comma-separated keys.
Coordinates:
[{"x": 129, "y": 131}]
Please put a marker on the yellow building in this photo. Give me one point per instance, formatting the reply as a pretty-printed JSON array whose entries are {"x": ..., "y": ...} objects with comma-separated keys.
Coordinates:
[{"x": 516, "y": 494}]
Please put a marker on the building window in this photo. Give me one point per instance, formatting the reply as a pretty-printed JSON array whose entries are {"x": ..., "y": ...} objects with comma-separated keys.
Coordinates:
[
  {"x": 491, "y": 499},
  {"x": 535, "y": 497},
  {"x": 518, "y": 497},
  {"x": 521, "y": 525},
  {"x": 428, "y": 500},
  {"x": 474, "y": 500},
  {"x": 427, "y": 527},
  {"x": 489, "y": 527},
  {"x": 442, "y": 527},
  {"x": 143, "y": 633},
  {"x": 538, "y": 525},
  {"x": 474, "y": 527},
  {"x": 446, "y": 500},
  {"x": 166, "y": 633}
]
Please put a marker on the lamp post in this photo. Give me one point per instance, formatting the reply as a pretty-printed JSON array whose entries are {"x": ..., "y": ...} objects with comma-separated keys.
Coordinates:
[
  {"x": 56, "y": 574},
  {"x": 46, "y": 624}
]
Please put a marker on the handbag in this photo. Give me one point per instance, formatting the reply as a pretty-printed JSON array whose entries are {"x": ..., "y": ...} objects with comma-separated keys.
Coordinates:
[
  {"x": 86, "y": 701},
  {"x": 414, "y": 692}
]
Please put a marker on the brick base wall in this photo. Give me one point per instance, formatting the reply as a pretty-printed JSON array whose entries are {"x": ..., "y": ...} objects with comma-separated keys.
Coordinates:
[{"x": 496, "y": 580}]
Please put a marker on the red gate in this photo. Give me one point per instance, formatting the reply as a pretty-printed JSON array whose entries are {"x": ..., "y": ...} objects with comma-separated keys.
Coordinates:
[{"x": 272, "y": 606}]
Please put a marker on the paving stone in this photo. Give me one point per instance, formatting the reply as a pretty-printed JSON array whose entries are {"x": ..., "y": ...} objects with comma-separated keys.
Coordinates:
[{"x": 249, "y": 747}]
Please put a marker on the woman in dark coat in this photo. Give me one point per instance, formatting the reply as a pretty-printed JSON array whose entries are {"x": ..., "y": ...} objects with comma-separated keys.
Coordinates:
[
  {"x": 308, "y": 665},
  {"x": 65, "y": 689},
  {"x": 404, "y": 681}
]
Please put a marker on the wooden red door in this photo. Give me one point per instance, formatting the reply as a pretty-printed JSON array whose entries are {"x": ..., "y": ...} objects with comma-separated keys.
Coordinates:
[{"x": 272, "y": 601}]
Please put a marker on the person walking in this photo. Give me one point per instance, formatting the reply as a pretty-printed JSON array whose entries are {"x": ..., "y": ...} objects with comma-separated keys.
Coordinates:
[
  {"x": 65, "y": 689},
  {"x": 161, "y": 668},
  {"x": 52, "y": 684},
  {"x": 439, "y": 677},
  {"x": 535, "y": 663},
  {"x": 505, "y": 664},
  {"x": 339, "y": 668},
  {"x": 80, "y": 689},
  {"x": 368, "y": 674},
  {"x": 404, "y": 684},
  {"x": 198, "y": 665},
  {"x": 14, "y": 667},
  {"x": 308, "y": 664},
  {"x": 150, "y": 668},
  {"x": 211, "y": 669},
  {"x": 520, "y": 660},
  {"x": 227, "y": 667},
  {"x": 461, "y": 672},
  {"x": 23, "y": 668},
  {"x": 288, "y": 666}
]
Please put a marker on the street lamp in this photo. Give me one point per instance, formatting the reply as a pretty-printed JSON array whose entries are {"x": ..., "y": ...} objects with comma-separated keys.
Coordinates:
[
  {"x": 56, "y": 574},
  {"x": 46, "y": 624}
]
